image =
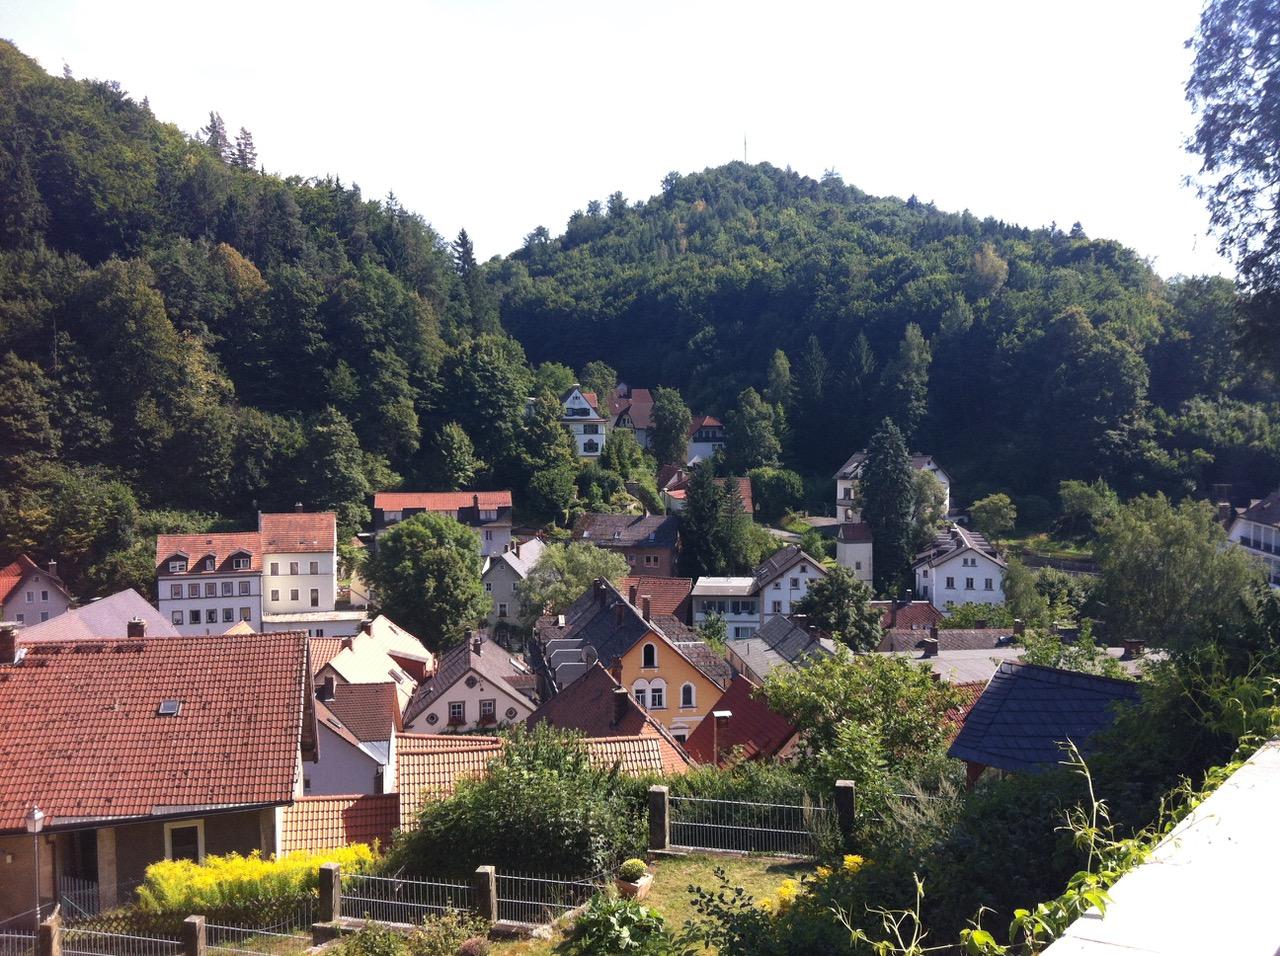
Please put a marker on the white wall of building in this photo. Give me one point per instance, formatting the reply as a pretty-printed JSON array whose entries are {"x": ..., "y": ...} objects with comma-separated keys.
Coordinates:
[
  {"x": 470, "y": 698},
  {"x": 779, "y": 595},
  {"x": 741, "y": 613},
  {"x": 1262, "y": 542},
  {"x": 856, "y": 557},
  {"x": 966, "y": 578},
  {"x": 236, "y": 604},
  {"x": 342, "y": 768},
  {"x": 289, "y": 580}
]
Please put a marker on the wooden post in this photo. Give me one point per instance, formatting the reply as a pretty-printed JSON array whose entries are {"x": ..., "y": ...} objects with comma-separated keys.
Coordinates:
[
  {"x": 49, "y": 936},
  {"x": 846, "y": 808},
  {"x": 659, "y": 818},
  {"x": 486, "y": 890},
  {"x": 193, "y": 936},
  {"x": 330, "y": 893}
]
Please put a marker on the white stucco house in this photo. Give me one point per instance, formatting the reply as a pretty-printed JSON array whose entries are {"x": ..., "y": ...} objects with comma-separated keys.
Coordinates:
[
  {"x": 847, "y": 508},
  {"x": 1257, "y": 530},
  {"x": 477, "y": 686},
  {"x": 357, "y": 727},
  {"x": 706, "y": 435},
  {"x": 733, "y": 598},
  {"x": 853, "y": 548},
  {"x": 961, "y": 567},
  {"x": 746, "y": 603},
  {"x": 582, "y": 417},
  {"x": 503, "y": 572}
]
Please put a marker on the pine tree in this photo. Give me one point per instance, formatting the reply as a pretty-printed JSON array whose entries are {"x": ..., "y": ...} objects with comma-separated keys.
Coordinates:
[
  {"x": 905, "y": 381},
  {"x": 245, "y": 155},
  {"x": 886, "y": 487},
  {"x": 215, "y": 136},
  {"x": 464, "y": 255},
  {"x": 671, "y": 421},
  {"x": 751, "y": 439},
  {"x": 778, "y": 391}
]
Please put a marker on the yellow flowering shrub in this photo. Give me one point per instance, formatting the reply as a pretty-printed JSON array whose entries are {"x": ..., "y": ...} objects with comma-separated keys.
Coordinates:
[{"x": 226, "y": 882}]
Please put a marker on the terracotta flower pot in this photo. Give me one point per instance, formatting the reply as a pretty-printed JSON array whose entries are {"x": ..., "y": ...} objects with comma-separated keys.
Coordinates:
[{"x": 637, "y": 890}]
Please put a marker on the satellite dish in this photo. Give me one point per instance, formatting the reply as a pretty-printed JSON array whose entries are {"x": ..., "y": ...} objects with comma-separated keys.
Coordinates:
[{"x": 589, "y": 655}]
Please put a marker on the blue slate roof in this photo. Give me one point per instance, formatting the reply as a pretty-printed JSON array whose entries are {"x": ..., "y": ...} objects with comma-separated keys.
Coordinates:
[{"x": 1028, "y": 711}]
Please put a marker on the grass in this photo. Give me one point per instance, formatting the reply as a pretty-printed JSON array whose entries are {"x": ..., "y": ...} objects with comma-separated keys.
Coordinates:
[
  {"x": 758, "y": 875},
  {"x": 1044, "y": 543}
]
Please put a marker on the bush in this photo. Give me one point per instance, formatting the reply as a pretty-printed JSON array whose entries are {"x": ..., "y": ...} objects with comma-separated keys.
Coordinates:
[
  {"x": 226, "y": 883},
  {"x": 609, "y": 925},
  {"x": 633, "y": 870},
  {"x": 442, "y": 935},
  {"x": 475, "y": 946}
]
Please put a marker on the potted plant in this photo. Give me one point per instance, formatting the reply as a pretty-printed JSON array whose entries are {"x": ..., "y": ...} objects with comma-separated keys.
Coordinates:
[{"x": 633, "y": 879}]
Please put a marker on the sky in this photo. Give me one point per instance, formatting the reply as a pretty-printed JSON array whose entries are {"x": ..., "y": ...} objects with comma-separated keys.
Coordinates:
[{"x": 501, "y": 116}]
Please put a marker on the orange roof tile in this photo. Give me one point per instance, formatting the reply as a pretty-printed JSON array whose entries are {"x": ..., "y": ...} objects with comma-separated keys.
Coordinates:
[
  {"x": 83, "y": 737},
  {"x": 11, "y": 576},
  {"x": 633, "y": 756},
  {"x": 297, "y": 532},
  {"x": 430, "y": 771},
  {"x": 668, "y": 596},
  {"x": 323, "y": 650},
  {"x": 440, "y": 500},
  {"x": 753, "y": 730},
  {"x": 196, "y": 547},
  {"x": 327, "y": 822}
]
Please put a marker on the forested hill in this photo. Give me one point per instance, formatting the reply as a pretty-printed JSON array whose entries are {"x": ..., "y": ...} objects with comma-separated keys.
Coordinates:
[{"x": 1020, "y": 356}]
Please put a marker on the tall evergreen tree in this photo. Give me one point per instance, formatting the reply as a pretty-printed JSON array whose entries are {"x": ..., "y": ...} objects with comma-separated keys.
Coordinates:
[
  {"x": 840, "y": 604},
  {"x": 905, "y": 381},
  {"x": 215, "y": 136},
  {"x": 245, "y": 155},
  {"x": 751, "y": 439},
  {"x": 886, "y": 487},
  {"x": 779, "y": 390},
  {"x": 671, "y": 421}
]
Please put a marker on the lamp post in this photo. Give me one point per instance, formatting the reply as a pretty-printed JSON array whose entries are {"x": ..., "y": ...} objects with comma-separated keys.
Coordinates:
[{"x": 35, "y": 823}]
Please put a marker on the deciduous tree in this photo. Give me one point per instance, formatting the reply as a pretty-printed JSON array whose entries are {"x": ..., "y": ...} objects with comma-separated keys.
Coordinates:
[
  {"x": 840, "y": 604},
  {"x": 563, "y": 573}
]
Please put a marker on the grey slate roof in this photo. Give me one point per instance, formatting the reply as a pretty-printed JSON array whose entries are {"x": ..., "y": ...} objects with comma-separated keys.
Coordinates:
[
  {"x": 780, "y": 643},
  {"x": 782, "y": 559},
  {"x": 953, "y": 541},
  {"x": 949, "y": 639},
  {"x": 1266, "y": 511},
  {"x": 1027, "y": 711},
  {"x": 492, "y": 662},
  {"x": 853, "y": 467},
  {"x": 628, "y": 531}
]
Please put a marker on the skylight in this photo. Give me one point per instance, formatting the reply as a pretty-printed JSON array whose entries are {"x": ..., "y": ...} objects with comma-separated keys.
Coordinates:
[{"x": 169, "y": 708}]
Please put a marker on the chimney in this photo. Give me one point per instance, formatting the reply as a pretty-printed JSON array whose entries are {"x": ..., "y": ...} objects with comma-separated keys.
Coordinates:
[
  {"x": 297, "y": 507},
  {"x": 1225, "y": 512},
  {"x": 893, "y": 614},
  {"x": 8, "y": 644},
  {"x": 616, "y": 672},
  {"x": 477, "y": 643},
  {"x": 602, "y": 592},
  {"x": 720, "y": 724},
  {"x": 981, "y": 624},
  {"x": 53, "y": 569},
  {"x": 137, "y": 627},
  {"x": 621, "y": 704},
  {"x": 366, "y": 626},
  {"x": 930, "y": 646},
  {"x": 933, "y": 633},
  {"x": 326, "y": 690},
  {"x": 646, "y": 603},
  {"x": 516, "y": 548},
  {"x": 632, "y": 591},
  {"x": 346, "y": 644},
  {"x": 1133, "y": 649},
  {"x": 1019, "y": 626},
  {"x": 475, "y": 502},
  {"x": 619, "y": 610}
]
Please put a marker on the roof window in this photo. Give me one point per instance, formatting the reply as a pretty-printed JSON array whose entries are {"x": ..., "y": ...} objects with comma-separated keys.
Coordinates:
[{"x": 169, "y": 708}]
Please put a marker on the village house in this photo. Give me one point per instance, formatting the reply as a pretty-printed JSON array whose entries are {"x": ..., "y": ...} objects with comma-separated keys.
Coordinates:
[
  {"x": 668, "y": 597},
  {"x": 632, "y": 409},
  {"x": 488, "y": 513},
  {"x": 668, "y": 670},
  {"x": 582, "y": 417},
  {"x": 742, "y": 726},
  {"x": 503, "y": 572},
  {"x": 357, "y": 726},
  {"x": 960, "y": 567},
  {"x": 847, "y": 497},
  {"x": 145, "y": 749},
  {"x": 282, "y": 577},
  {"x": 125, "y": 612},
  {"x": 1257, "y": 530},
  {"x": 648, "y": 543},
  {"x": 477, "y": 686},
  {"x": 853, "y": 549},
  {"x": 706, "y": 436},
  {"x": 781, "y": 642},
  {"x": 746, "y": 603},
  {"x": 734, "y": 599},
  {"x": 359, "y": 659},
  {"x": 675, "y": 490},
  {"x": 784, "y": 578},
  {"x": 30, "y": 594}
]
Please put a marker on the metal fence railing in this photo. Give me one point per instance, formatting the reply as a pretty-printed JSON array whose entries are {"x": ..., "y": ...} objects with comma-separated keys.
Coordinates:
[
  {"x": 393, "y": 900},
  {"x": 15, "y": 943},
  {"x": 88, "y": 942},
  {"x": 235, "y": 940},
  {"x": 744, "y": 827},
  {"x": 524, "y": 898}
]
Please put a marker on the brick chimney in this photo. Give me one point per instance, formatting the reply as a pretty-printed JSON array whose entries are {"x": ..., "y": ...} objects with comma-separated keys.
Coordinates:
[
  {"x": 930, "y": 647},
  {"x": 1225, "y": 512},
  {"x": 933, "y": 632},
  {"x": 297, "y": 507},
  {"x": 646, "y": 604},
  {"x": 720, "y": 724},
  {"x": 1133, "y": 649},
  {"x": 632, "y": 591},
  {"x": 616, "y": 672},
  {"x": 8, "y": 643},
  {"x": 53, "y": 569},
  {"x": 477, "y": 643},
  {"x": 621, "y": 704},
  {"x": 366, "y": 626},
  {"x": 475, "y": 502},
  {"x": 1019, "y": 626},
  {"x": 327, "y": 688},
  {"x": 619, "y": 613},
  {"x": 136, "y": 628}
]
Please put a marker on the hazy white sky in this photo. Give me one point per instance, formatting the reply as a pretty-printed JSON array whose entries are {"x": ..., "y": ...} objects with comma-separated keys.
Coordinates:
[{"x": 500, "y": 116}]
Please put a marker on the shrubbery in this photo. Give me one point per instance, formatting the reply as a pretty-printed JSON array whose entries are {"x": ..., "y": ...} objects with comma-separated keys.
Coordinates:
[
  {"x": 445, "y": 935},
  {"x": 609, "y": 926}
]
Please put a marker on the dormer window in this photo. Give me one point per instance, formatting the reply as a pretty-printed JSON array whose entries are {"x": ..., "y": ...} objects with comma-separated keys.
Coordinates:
[
  {"x": 240, "y": 562},
  {"x": 210, "y": 563},
  {"x": 177, "y": 566}
]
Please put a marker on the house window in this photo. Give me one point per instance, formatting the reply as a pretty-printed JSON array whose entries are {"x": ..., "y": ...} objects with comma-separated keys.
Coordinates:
[
  {"x": 211, "y": 616},
  {"x": 591, "y": 446},
  {"x": 21, "y": 618},
  {"x": 44, "y": 616},
  {"x": 293, "y": 567},
  {"x": 777, "y": 585},
  {"x": 195, "y": 615},
  {"x": 488, "y": 535},
  {"x": 591, "y": 429},
  {"x": 650, "y": 560},
  {"x": 657, "y": 695},
  {"x": 641, "y": 694},
  {"x": 649, "y": 656},
  {"x": 320, "y": 633},
  {"x": 988, "y": 585},
  {"x": 795, "y": 583},
  {"x": 275, "y": 595},
  {"x": 31, "y": 596},
  {"x": 184, "y": 840},
  {"x": 513, "y": 586},
  {"x": 457, "y": 712},
  {"x": 240, "y": 564},
  {"x": 228, "y": 588},
  {"x": 502, "y": 609},
  {"x": 293, "y": 594},
  {"x": 688, "y": 697},
  {"x": 315, "y": 567},
  {"x": 176, "y": 617},
  {"x": 488, "y": 711},
  {"x": 315, "y": 597},
  {"x": 275, "y": 567},
  {"x": 488, "y": 587},
  {"x": 631, "y": 558},
  {"x": 44, "y": 595},
  {"x": 210, "y": 589},
  {"x": 228, "y": 615},
  {"x": 857, "y": 565},
  {"x": 390, "y": 517},
  {"x": 176, "y": 567},
  {"x": 209, "y": 564},
  {"x": 244, "y": 614},
  {"x": 777, "y": 607},
  {"x": 244, "y": 587},
  {"x": 951, "y": 583},
  {"x": 968, "y": 584},
  {"x": 175, "y": 591},
  {"x": 680, "y": 736}
]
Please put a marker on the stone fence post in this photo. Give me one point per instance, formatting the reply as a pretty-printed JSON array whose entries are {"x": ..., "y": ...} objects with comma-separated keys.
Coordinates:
[
  {"x": 49, "y": 936},
  {"x": 846, "y": 809},
  {"x": 659, "y": 818},
  {"x": 485, "y": 883},
  {"x": 193, "y": 936},
  {"x": 330, "y": 893}
]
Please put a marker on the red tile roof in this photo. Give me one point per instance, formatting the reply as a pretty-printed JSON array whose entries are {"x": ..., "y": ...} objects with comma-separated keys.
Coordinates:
[
  {"x": 83, "y": 739},
  {"x": 323, "y": 650},
  {"x": 917, "y": 614},
  {"x": 854, "y": 532},
  {"x": 196, "y": 547},
  {"x": 428, "y": 767},
  {"x": 668, "y": 596},
  {"x": 440, "y": 500},
  {"x": 369, "y": 711},
  {"x": 11, "y": 576},
  {"x": 328, "y": 822},
  {"x": 753, "y": 732},
  {"x": 969, "y": 694},
  {"x": 298, "y": 531},
  {"x": 704, "y": 421},
  {"x": 640, "y": 756}
]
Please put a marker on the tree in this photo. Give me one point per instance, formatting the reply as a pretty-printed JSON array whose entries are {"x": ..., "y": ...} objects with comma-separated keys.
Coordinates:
[
  {"x": 717, "y": 534},
  {"x": 1022, "y": 596},
  {"x": 778, "y": 391},
  {"x": 1086, "y": 507},
  {"x": 994, "y": 515},
  {"x": 671, "y": 421},
  {"x": 928, "y": 509},
  {"x": 27, "y": 432},
  {"x": 425, "y": 573},
  {"x": 751, "y": 439},
  {"x": 464, "y": 255},
  {"x": 244, "y": 156},
  {"x": 1232, "y": 88},
  {"x": 775, "y": 492},
  {"x": 905, "y": 381},
  {"x": 1047, "y": 649},
  {"x": 714, "y": 631},
  {"x": 456, "y": 464},
  {"x": 334, "y": 471},
  {"x": 1169, "y": 577},
  {"x": 562, "y": 574},
  {"x": 623, "y": 455},
  {"x": 554, "y": 377},
  {"x": 215, "y": 136},
  {"x": 602, "y": 379},
  {"x": 886, "y": 486},
  {"x": 840, "y": 604}
]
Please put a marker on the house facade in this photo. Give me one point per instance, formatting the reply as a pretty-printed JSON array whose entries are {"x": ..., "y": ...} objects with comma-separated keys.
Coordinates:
[
  {"x": 632, "y": 409},
  {"x": 30, "y": 594},
  {"x": 853, "y": 549},
  {"x": 961, "y": 567},
  {"x": 358, "y": 725},
  {"x": 648, "y": 543},
  {"x": 477, "y": 686},
  {"x": 581, "y": 415},
  {"x": 746, "y": 603},
  {"x": 783, "y": 579},
  {"x": 502, "y": 574},
  {"x": 488, "y": 513},
  {"x": 847, "y": 506},
  {"x": 733, "y": 598},
  {"x": 706, "y": 436},
  {"x": 1257, "y": 530}
]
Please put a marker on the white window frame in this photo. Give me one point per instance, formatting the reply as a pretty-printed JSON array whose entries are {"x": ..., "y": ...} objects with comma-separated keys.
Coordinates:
[
  {"x": 488, "y": 587},
  {"x": 175, "y": 592},
  {"x": 177, "y": 567},
  {"x": 502, "y": 609},
  {"x": 314, "y": 567},
  {"x": 181, "y": 825},
  {"x": 293, "y": 568},
  {"x": 657, "y": 694},
  {"x": 240, "y": 564}
]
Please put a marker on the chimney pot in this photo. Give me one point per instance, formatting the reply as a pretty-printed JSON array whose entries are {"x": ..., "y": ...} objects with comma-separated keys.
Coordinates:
[
  {"x": 933, "y": 632},
  {"x": 981, "y": 624},
  {"x": 366, "y": 626},
  {"x": 326, "y": 691},
  {"x": 477, "y": 644},
  {"x": 136, "y": 628},
  {"x": 620, "y": 704},
  {"x": 632, "y": 593},
  {"x": 647, "y": 603},
  {"x": 1133, "y": 649},
  {"x": 619, "y": 610},
  {"x": 1019, "y": 626},
  {"x": 930, "y": 645},
  {"x": 53, "y": 569},
  {"x": 8, "y": 643},
  {"x": 475, "y": 502},
  {"x": 297, "y": 507}
]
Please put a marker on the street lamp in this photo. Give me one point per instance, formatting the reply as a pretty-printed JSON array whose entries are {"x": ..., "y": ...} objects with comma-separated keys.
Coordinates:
[{"x": 35, "y": 823}]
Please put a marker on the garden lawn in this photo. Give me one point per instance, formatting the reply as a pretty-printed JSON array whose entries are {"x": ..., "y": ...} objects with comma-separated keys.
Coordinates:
[
  {"x": 758, "y": 875},
  {"x": 1048, "y": 546}
]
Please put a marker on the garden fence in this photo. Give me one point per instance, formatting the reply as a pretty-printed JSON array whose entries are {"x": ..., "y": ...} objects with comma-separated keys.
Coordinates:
[
  {"x": 744, "y": 827},
  {"x": 235, "y": 940},
  {"x": 15, "y": 943},
  {"x": 88, "y": 942},
  {"x": 394, "y": 900},
  {"x": 524, "y": 898}
]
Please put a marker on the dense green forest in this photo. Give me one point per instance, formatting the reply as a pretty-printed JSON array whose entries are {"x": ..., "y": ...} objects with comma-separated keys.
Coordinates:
[
  {"x": 1020, "y": 357},
  {"x": 185, "y": 339}
]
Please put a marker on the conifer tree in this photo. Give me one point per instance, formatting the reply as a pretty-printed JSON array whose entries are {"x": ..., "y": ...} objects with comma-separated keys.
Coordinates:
[
  {"x": 886, "y": 487},
  {"x": 215, "y": 136},
  {"x": 245, "y": 156}
]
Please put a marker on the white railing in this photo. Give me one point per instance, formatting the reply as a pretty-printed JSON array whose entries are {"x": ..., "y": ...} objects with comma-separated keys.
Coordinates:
[{"x": 86, "y": 942}]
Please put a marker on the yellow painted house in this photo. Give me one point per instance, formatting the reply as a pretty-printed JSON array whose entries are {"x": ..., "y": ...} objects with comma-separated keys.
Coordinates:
[{"x": 671, "y": 672}]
